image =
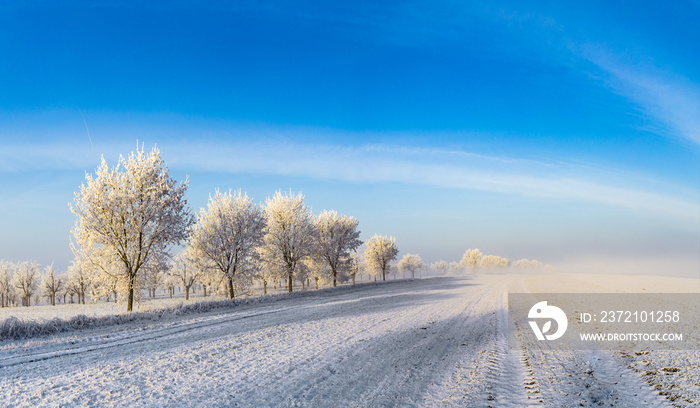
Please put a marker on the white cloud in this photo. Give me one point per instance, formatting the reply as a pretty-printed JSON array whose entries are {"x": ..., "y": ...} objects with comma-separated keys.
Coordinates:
[
  {"x": 270, "y": 151},
  {"x": 436, "y": 168},
  {"x": 667, "y": 97}
]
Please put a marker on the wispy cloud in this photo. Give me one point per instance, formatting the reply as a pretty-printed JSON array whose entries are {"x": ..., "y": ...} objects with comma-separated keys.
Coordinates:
[
  {"x": 670, "y": 100},
  {"x": 435, "y": 168},
  {"x": 371, "y": 164},
  {"x": 664, "y": 96}
]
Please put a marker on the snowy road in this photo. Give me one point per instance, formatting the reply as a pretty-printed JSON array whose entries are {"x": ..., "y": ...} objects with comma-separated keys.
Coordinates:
[{"x": 431, "y": 342}]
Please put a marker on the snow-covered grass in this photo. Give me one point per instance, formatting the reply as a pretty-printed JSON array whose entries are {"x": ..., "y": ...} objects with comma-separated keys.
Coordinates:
[
  {"x": 44, "y": 320},
  {"x": 427, "y": 342}
]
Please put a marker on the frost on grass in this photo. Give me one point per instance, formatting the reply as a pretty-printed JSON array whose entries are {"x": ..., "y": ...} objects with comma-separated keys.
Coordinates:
[{"x": 13, "y": 328}]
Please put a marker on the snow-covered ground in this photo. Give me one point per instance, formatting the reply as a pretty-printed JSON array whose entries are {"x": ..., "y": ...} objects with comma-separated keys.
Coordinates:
[{"x": 427, "y": 342}]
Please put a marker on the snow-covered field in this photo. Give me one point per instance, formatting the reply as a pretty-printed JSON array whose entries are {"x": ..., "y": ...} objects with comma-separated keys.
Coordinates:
[{"x": 427, "y": 342}]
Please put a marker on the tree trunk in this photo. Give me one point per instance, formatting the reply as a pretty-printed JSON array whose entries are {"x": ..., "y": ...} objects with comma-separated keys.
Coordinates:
[
  {"x": 187, "y": 293},
  {"x": 353, "y": 279},
  {"x": 383, "y": 274},
  {"x": 230, "y": 287},
  {"x": 204, "y": 287},
  {"x": 130, "y": 299},
  {"x": 316, "y": 279},
  {"x": 335, "y": 277},
  {"x": 264, "y": 287},
  {"x": 289, "y": 283},
  {"x": 53, "y": 300}
]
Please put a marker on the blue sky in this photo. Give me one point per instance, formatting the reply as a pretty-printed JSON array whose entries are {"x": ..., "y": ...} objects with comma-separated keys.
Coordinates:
[{"x": 566, "y": 132}]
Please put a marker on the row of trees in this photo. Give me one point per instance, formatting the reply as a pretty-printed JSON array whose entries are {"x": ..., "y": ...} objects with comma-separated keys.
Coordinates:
[
  {"x": 23, "y": 283},
  {"x": 131, "y": 216},
  {"x": 473, "y": 261}
]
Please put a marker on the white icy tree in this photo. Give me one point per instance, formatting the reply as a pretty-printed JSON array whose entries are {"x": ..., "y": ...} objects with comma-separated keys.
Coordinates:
[
  {"x": 456, "y": 269},
  {"x": 440, "y": 268},
  {"x": 153, "y": 275},
  {"x": 52, "y": 284},
  {"x": 290, "y": 234},
  {"x": 337, "y": 235},
  {"x": 265, "y": 271},
  {"x": 527, "y": 264},
  {"x": 26, "y": 280},
  {"x": 129, "y": 215},
  {"x": 379, "y": 253},
  {"x": 185, "y": 271},
  {"x": 357, "y": 263},
  {"x": 493, "y": 262},
  {"x": 79, "y": 280},
  {"x": 471, "y": 259},
  {"x": 411, "y": 263},
  {"x": 6, "y": 283},
  {"x": 318, "y": 270},
  {"x": 227, "y": 233}
]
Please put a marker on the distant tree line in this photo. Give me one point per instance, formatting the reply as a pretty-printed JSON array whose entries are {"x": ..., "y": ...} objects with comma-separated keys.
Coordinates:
[{"x": 473, "y": 261}]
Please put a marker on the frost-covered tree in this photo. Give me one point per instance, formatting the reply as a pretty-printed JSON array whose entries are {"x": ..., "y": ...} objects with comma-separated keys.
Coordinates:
[
  {"x": 129, "y": 215},
  {"x": 318, "y": 270},
  {"x": 6, "y": 284},
  {"x": 527, "y": 264},
  {"x": 337, "y": 236},
  {"x": 227, "y": 233},
  {"x": 493, "y": 262},
  {"x": 440, "y": 268},
  {"x": 185, "y": 271},
  {"x": 290, "y": 234},
  {"x": 26, "y": 280},
  {"x": 471, "y": 259},
  {"x": 411, "y": 263},
  {"x": 79, "y": 280},
  {"x": 521, "y": 263},
  {"x": 52, "y": 284},
  {"x": 379, "y": 253},
  {"x": 457, "y": 269},
  {"x": 266, "y": 272},
  {"x": 153, "y": 275},
  {"x": 357, "y": 263}
]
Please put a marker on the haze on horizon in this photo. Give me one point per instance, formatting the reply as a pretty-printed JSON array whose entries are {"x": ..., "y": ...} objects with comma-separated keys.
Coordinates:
[{"x": 567, "y": 134}]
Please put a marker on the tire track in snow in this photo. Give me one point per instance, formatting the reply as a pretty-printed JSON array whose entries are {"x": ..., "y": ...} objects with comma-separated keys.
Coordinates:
[
  {"x": 435, "y": 342},
  {"x": 580, "y": 378},
  {"x": 387, "y": 366},
  {"x": 489, "y": 374},
  {"x": 129, "y": 336}
]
